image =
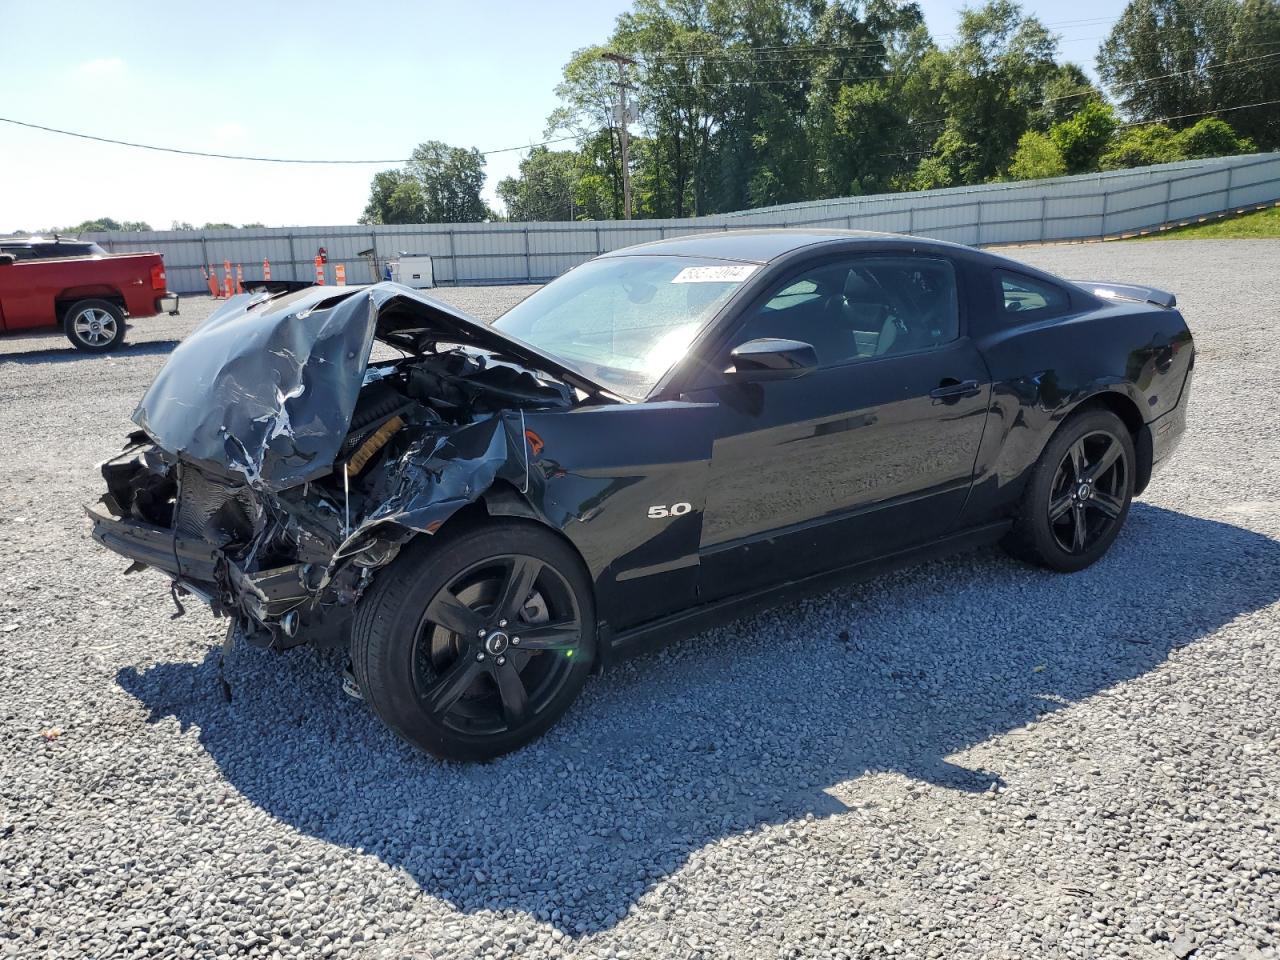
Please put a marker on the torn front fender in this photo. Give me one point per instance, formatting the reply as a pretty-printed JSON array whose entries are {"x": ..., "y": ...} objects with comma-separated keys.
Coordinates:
[{"x": 439, "y": 473}]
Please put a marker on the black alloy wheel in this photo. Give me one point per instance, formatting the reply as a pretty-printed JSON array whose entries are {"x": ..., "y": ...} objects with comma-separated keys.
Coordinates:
[
  {"x": 471, "y": 644},
  {"x": 1078, "y": 495},
  {"x": 1089, "y": 491},
  {"x": 496, "y": 644}
]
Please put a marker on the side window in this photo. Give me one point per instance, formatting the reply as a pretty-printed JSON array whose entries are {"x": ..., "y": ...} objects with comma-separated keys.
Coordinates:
[
  {"x": 1024, "y": 298},
  {"x": 793, "y": 294},
  {"x": 860, "y": 308}
]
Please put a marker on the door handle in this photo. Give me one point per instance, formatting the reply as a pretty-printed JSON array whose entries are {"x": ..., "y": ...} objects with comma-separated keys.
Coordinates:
[{"x": 951, "y": 390}]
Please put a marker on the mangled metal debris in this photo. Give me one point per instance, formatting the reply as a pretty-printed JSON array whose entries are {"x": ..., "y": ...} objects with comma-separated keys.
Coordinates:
[{"x": 276, "y": 468}]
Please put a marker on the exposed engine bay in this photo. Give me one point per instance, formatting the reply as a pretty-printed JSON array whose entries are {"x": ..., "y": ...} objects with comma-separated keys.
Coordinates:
[{"x": 270, "y": 514}]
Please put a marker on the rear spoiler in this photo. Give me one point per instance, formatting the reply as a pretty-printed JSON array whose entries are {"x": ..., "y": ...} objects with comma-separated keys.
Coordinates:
[{"x": 1128, "y": 291}]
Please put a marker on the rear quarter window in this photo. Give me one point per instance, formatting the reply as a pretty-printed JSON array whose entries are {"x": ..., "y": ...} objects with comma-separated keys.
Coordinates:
[{"x": 1024, "y": 298}]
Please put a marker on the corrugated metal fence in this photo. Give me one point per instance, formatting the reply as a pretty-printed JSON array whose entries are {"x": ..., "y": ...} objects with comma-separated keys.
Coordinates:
[{"x": 1064, "y": 208}]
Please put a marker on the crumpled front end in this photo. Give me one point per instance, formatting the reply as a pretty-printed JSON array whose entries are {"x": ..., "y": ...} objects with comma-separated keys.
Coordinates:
[
  {"x": 290, "y": 566},
  {"x": 274, "y": 482}
]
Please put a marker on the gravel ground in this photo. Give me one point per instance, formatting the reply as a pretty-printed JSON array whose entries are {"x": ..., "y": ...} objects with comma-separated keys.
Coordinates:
[{"x": 968, "y": 759}]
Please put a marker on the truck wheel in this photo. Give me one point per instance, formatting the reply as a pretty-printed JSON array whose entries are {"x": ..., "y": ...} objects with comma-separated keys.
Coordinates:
[{"x": 94, "y": 326}]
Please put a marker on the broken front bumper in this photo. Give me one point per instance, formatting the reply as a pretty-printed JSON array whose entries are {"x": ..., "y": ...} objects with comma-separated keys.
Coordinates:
[
  {"x": 262, "y": 601},
  {"x": 183, "y": 558}
]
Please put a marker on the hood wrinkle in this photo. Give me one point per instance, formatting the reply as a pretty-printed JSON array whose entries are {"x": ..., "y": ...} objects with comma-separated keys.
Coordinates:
[{"x": 266, "y": 388}]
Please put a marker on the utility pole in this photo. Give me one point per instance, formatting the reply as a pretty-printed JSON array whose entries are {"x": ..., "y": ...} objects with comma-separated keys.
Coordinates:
[{"x": 622, "y": 117}]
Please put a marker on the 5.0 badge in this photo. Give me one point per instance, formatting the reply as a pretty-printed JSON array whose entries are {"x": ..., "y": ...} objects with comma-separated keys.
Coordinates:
[{"x": 675, "y": 510}]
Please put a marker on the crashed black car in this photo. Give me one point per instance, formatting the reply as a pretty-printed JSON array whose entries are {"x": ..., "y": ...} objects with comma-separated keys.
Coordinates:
[{"x": 665, "y": 437}]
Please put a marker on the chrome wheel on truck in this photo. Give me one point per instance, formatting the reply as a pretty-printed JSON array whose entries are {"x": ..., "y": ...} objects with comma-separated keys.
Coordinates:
[{"x": 94, "y": 326}]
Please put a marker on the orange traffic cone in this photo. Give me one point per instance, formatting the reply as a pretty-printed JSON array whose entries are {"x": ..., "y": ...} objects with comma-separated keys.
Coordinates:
[
  {"x": 319, "y": 272},
  {"x": 226, "y": 279},
  {"x": 339, "y": 275},
  {"x": 266, "y": 269},
  {"x": 239, "y": 278},
  {"x": 211, "y": 278}
]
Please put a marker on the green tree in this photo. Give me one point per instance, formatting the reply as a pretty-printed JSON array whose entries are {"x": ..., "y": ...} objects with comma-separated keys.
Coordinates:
[
  {"x": 1083, "y": 138},
  {"x": 745, "y": 103},
  {"x": 105, "y": 224},
  {"x": 451, "y": 179},
  {"x": 395, "y": 196},
  {"x": 1067, "y": 90},
  {"x": 1176, "y": 60},
  {"x": 1141, "y": 146},
  {"x": 1037, "y": 156},
  {"x": 993, "y": 80},
  {"x": 546, "y": 188},
  {"x": 439, "y": 184},
  {"x": 1211, "y": 137},
  {"x": 867, "y": 123},
  {"x": 586, "y": 112},
  {"x": 683, "y": 95}
]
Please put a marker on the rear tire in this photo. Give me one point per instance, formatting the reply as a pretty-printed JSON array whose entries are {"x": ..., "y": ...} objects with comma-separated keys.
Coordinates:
[
  {"x": 94, "y": 326},
  {"x": 1078, "y": 496},
  {"x": 471, "y": 645}
]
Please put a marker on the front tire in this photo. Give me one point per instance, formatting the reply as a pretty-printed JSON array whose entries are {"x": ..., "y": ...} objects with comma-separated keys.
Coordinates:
[
  {"x": 1079, "y": 495},
  {"x": 94, "y": 326},
  {"x": 471, "y": 645}
]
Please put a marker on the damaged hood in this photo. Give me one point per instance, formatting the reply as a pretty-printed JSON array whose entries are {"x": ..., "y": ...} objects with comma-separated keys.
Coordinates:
[{"x": 266, "y": 387}]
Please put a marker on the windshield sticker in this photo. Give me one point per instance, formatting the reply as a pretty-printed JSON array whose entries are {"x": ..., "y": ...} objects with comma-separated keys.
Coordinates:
[{"x": 727, "y": 274}]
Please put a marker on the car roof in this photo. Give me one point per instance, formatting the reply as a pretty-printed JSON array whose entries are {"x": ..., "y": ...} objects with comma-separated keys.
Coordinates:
[
  {"x": 759, "y": 245},
  {"x": 28, "y": 241}
]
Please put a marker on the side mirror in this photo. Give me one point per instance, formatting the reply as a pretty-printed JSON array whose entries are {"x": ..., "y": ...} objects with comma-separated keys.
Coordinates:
[
  {"x": 770, "y": 359},
  {"x": 6, "y": 259}
]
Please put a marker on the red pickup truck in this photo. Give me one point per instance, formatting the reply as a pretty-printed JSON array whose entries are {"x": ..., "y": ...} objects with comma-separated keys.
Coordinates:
[{"x": 79, "y": 287}]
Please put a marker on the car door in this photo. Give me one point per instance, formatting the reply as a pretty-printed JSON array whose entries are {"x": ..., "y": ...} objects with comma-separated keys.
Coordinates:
[{"x": 870, "y": 453}]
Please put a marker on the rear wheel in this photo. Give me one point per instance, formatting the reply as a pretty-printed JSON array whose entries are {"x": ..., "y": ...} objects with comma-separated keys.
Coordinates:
[
  {"x": 472, "y": 645},
  {"x": 1078, "y": 496},
  {"x": 94, "y": 326}
]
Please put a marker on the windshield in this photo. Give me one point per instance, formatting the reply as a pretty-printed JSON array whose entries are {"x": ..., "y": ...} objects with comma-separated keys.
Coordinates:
[{"x": 622, "y": 322}]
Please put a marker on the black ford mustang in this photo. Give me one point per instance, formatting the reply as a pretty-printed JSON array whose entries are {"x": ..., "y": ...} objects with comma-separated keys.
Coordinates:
[{"x": 660, "y": 439}]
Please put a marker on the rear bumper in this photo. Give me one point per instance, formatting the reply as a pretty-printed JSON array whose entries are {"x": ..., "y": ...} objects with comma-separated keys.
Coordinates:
[
  {"x": 167, "y": 304},
  {"x": 1165, "y": 432}
]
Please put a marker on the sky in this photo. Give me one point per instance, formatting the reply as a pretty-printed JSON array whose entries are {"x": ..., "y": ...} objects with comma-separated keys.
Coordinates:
[{"x": 316, "y": 80}]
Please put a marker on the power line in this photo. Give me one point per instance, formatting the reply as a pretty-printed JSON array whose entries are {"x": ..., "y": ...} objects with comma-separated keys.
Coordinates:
[
  {"x": 1165, "y": 76},
  {"x": 1202, "y": 113},
  {"x": 235, "y": 156}
]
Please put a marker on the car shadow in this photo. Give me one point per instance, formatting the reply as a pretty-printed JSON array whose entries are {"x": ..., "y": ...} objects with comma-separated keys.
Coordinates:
[
  {"x": 743, "y": 727},
  {"x": 69, "y": 354}
]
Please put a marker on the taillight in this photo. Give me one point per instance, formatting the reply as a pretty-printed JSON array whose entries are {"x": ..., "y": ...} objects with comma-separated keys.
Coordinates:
[{"x": 157, "y": 277}]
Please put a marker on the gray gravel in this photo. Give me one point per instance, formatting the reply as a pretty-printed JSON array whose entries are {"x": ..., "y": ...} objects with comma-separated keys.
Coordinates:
[{"x": 968, "y": 759}]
